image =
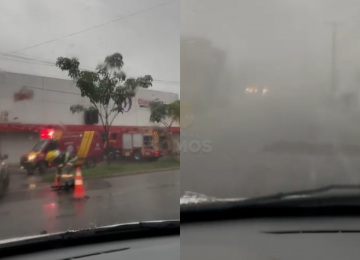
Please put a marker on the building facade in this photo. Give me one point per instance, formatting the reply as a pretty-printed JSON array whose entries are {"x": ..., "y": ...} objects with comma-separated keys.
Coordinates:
[{"x": 29, "y": 103}]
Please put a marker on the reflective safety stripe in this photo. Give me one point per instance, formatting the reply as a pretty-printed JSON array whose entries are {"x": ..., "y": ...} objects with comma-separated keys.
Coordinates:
[
  {"x": 85, "y": 144},
  {"x": 78, "y": 182},
  {"x": 155, "y": 141}
]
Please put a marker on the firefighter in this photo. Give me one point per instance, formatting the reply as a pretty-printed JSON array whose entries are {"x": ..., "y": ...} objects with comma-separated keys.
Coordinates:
[{"x": 63, "y": 161}]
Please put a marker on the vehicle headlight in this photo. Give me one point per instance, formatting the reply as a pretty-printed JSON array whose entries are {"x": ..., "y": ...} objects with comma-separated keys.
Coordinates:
[{"x": 31, "y": 157}]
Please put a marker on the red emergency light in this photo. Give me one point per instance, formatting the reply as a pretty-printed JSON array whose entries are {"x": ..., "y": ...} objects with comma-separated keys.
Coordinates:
[{"x": 46, "y": 133}]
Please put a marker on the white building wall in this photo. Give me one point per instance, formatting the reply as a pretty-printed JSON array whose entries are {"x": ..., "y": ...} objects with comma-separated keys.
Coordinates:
[
  {"x": 16, "y": 144},
  {"x": 52, "y": 98}
]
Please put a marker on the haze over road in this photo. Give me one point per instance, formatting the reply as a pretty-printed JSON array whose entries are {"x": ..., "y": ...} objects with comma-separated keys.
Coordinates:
[{"x": 281, "y": 142}]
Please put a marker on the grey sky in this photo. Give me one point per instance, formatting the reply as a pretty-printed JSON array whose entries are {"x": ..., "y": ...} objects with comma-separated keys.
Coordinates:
[
  {"x": 280, "y": 39},
  {"x": 147, "y": 36}
]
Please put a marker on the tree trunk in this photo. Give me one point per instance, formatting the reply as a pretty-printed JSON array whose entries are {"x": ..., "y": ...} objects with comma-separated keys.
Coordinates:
[
  {"x": 170, "y": 142},
  {"x": 106, "y": 148}
]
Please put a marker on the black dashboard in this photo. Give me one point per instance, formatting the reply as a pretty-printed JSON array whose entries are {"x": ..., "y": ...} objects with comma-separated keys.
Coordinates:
[
  {"x": 164, "y": 248},
  {"x": 263, "y": 239},
  {"x": 310, "y": 238}
]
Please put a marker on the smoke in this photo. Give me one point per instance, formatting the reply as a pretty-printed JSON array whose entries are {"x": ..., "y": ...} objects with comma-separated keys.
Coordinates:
[{"x": 300, "y": 127}]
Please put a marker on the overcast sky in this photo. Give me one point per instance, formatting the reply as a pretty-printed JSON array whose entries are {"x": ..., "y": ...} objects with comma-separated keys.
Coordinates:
[
  {"x": 146, "y": 33},
  {"x": 281, "y": 40}
]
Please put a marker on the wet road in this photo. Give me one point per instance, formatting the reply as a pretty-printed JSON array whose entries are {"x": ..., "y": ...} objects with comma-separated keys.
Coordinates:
[
  {"x": 264, "y": 146},
  {"x": 30, "y": 207}
]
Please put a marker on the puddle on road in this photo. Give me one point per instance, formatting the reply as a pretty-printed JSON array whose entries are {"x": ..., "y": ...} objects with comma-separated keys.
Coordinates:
[
  {"x": 30, "y": 186},
  {"x": 26, "y": 182}
]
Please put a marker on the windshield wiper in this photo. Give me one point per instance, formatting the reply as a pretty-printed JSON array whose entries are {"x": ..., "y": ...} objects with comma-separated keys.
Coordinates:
[
  {"x": 280, "y": 196},
  {"x": 324, "y": 201},
  {"x": 305, "y": 193},
  {"x": 92, "y": 235}
]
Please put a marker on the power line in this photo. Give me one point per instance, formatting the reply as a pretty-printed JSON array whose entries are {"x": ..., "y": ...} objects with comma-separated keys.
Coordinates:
[
  {"x": 57, "y": 91},
  {"x": 94, "y": 27},
  {"x": 33, "y": 60},
  {"x": 28, "y": 60}
]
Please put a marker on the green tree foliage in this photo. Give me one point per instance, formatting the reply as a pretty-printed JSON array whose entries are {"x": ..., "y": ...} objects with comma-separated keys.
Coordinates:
[
  {"x": 166, "y": 114},
  {"x": 108, "y": 89}
]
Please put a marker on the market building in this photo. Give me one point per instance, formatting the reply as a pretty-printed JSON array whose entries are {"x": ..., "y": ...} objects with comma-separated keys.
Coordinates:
[{"x": 30, "y": 103}]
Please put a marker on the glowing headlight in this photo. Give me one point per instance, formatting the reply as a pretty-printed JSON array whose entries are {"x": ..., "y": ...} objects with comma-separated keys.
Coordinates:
[
  {"x": 249, "y": 90},
  {"x": 31, "y": 157}
]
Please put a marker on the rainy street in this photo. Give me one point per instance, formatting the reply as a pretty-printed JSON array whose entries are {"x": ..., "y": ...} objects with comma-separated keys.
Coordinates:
[
  {"x": 272, "y": 145},
  {"x": 30, "y": 208}
]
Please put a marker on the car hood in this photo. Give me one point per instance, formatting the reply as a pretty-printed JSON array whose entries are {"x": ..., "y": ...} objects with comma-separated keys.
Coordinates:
[{"x": 5, "y": 241}]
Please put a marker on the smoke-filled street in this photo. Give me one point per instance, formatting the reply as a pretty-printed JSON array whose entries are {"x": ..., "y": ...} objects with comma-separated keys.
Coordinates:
[{"x": 269, "y": 144}]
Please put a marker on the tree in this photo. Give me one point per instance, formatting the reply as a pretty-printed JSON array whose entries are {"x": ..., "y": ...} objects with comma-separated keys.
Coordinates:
[
  {"x": 108, "y": 89},
  {"x": 166, "y": 114},
  {"x": 205, "y": 79}
]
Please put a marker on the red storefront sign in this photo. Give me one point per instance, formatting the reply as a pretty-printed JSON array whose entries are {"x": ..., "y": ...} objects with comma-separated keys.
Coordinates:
[
  {"x": 143, "y": 103},
  {"x": 23, "y": 94}
]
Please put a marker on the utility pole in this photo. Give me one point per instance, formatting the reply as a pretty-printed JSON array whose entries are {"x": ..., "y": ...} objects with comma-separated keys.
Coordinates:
[{"x": 333, "y": 58}]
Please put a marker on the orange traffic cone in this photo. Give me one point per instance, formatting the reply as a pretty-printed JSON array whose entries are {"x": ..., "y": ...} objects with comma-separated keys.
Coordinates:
[
  {"x": 56, "y": 181},
  {"x": 78, "y": 188}
]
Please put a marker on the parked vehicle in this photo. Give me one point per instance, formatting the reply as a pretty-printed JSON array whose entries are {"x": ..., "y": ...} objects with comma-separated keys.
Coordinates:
[
  {"x": 4, "y": 174},
  {"x": 87, "y": 145},
  {"x": 137, "y": 143}
]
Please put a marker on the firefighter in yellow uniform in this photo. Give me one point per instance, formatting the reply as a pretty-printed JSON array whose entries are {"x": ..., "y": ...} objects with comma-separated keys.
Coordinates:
[{"x": 63, "y": 161}]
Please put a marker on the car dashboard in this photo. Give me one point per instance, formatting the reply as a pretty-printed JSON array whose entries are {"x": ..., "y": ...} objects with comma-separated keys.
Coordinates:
[
  {"x": 265, "y": 239},
  {"x": 249, "y": 239},
  {"x": 164, "y": 248}
]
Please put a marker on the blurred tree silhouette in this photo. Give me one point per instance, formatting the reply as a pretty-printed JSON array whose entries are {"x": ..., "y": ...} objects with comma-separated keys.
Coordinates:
[
  {"x": 166, "y": 114},
  {"x": 204, "y": 77}
]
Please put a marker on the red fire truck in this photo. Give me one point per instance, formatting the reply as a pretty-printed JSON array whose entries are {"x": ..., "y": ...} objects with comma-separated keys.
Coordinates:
[
  {"x": 138, "y": 143},
  {"x": 87, "y": 145}
]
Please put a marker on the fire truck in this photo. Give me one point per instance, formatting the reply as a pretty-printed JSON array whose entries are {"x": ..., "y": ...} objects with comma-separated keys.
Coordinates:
[
  {"x": 138, "y": 143},
  {"x": 87, "y": 145}
]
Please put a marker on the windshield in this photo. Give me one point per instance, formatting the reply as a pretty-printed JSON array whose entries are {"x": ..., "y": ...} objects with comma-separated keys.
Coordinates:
[
  {"x": 96, "y": 85},
  {"x": 39, "y": 146},
  {"x": 272, "y": 97}
]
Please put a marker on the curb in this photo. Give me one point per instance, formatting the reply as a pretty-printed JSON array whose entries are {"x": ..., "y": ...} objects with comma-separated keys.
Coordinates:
[
  {"x": 135, "y": 173},
  {"x": 116, "y": 175}
]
